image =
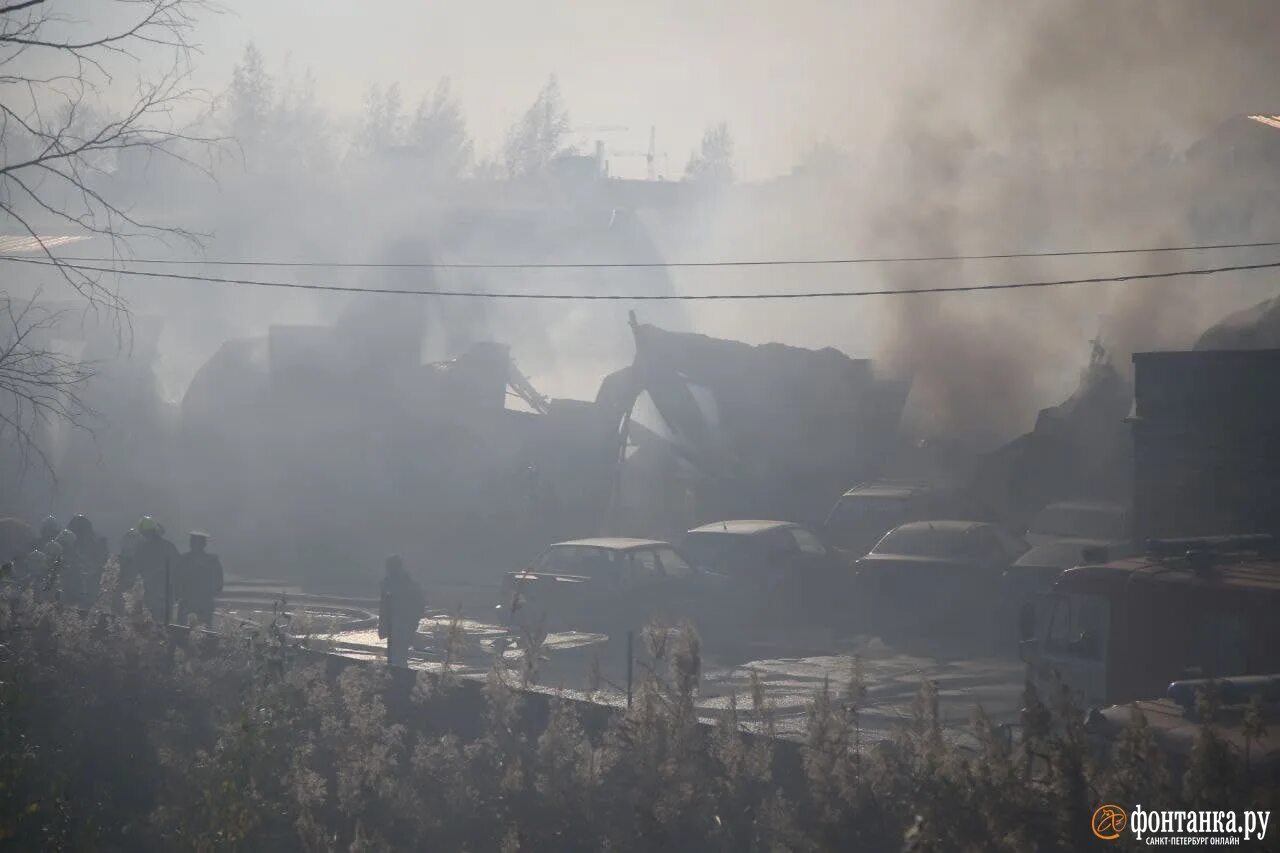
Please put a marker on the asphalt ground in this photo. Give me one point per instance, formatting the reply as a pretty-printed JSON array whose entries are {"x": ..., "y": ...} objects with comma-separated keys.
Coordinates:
[{"x": 788, "y": 668}]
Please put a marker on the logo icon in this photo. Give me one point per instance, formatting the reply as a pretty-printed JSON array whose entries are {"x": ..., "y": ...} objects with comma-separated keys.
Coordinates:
[{"x": 1109, "y": 821}]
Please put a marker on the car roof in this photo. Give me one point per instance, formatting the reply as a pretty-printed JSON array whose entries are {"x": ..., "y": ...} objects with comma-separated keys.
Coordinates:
[
  {"x": 944, "y": 525},
  {"x": 1107, "y": 506},
  {"x": 888, "y": 490},
  {"x": 742, "y": 526},
  {"x": 614, "y": 543}
]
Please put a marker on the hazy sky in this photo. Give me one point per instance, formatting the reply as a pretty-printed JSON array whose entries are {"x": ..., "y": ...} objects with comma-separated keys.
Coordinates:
[
  {"x": 783, "y": 80},
  {"x": 1098, "y": 80},
  {"x": 784, "y": 75}
]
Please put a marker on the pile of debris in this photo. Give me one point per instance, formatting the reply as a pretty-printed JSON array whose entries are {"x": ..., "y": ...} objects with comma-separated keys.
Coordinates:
[
  {"x": 760, "y": 431},
  {"x": 1078, "y": 449},
  {"x": 1256, "y": 327}
]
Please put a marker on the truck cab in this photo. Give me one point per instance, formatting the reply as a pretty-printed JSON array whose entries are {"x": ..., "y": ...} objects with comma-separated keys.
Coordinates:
[{"x": 1185, "y": 609}]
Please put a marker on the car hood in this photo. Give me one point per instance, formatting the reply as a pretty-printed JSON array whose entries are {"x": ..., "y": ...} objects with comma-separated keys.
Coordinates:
[
  {"x": 1059, "y": 553},
  {"x": 519, "y": 577},
  {"x": 905, "y": 559}
]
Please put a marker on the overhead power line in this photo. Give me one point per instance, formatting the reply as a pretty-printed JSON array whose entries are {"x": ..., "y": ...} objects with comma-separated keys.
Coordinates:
[
  {"x": 776, "y": 262},
  {"x": 655, "y": 297}
]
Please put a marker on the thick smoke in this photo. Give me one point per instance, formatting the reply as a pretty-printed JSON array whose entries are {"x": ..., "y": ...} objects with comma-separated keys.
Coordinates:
[
  {"x": 967, "y": 128},
  {"x": 1043, "y": 127},
  {"x": 1095, "y": 103}
]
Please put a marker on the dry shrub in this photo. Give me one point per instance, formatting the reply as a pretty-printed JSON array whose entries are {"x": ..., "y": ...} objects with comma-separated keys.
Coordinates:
[{"x": 116, "y": 735}]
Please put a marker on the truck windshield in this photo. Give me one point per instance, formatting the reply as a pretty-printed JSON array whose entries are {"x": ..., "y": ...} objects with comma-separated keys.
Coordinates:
[{"x": 1078, "y": 625}]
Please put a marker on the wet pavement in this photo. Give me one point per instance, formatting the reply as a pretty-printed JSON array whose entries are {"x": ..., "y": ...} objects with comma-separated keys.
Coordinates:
[{"x": 788, "y": 671}]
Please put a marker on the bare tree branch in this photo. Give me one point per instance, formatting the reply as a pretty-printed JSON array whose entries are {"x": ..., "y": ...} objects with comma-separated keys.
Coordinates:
[
  {"x": 17, "y": 7},
  {"x": 60, "y": 149},
  {"x": 39, "y": 386}
]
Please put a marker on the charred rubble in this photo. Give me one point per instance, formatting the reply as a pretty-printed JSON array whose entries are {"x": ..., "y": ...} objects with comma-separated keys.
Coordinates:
[
  {"x": 1078, "y": 449},
  {"x": 445, "y": 464},
  {"x": 313, "y": 449},
  {"x": 717, "y": 410}
]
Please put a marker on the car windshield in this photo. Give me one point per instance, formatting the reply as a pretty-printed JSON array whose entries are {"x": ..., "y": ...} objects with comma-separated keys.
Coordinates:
[
  {"x": 721, "y": 551},
  {"x": 1056, "y": 555},
  {"x": 865, "y": 509},
  {"x": 673, "y": 565},
  {"x": 1079, "y": 522},
  {"x": 923, "y": 541},
  {"x": 581, "y": 560}
]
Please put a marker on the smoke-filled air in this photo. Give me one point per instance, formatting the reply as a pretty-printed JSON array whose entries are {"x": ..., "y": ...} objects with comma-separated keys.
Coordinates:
[{"x": 659, "y": 402}]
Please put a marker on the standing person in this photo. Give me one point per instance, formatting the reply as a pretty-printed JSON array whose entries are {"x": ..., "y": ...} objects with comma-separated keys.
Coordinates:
[
  {"x": 155, "y": 557},
  {"x": 93, "y": 553},
  {"x": 49, "y": 529},
  {"x": 402, "y": 608},
  {"x": 71, "y": 578},
  {"x": 199, "y": 579},
  {"x": 44, "y": 563},
  {"x": 127, "y": 559},
  {"x": 48, "y": 582}
]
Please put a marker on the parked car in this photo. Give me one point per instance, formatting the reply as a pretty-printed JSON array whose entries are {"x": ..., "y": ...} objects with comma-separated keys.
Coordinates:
[
  {"x": 606, "y": 584},
  {"x": 781, "y": 567},
  {"x": 866, "y": 512},
  {"x": 936, "y": 574},
  {"x": 1086, "y": 522}
]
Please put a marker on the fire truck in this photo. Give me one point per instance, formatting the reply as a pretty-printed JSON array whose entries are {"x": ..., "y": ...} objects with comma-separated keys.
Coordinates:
[{"x": 1202, "y": 608}]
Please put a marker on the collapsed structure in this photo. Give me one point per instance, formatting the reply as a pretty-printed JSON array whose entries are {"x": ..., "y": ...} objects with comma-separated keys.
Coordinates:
[
  {"x": 1077, "y": 449},
  {"x": 318, "y": 443},
  {"x": 323, "y": 453},
  {"x": 768, "y": 431},
  {"x": 1255, "y": 327}
]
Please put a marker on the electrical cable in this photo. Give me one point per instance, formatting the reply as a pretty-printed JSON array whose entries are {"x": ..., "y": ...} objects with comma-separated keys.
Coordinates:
[
  {"x": 651, "y": 297},
  {"x": 778, "y": 262}
]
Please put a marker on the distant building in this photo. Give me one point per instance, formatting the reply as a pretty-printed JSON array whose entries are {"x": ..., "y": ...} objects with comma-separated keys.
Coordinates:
[{"x": 1206, "y": 430}]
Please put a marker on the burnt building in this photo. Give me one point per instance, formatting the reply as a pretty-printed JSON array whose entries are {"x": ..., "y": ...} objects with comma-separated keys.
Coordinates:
[
  {"x": 767, "y": 431},
  {"x": 1206, "y": 434}
]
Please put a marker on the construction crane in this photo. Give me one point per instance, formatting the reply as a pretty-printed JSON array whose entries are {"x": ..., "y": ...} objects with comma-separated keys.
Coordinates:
[{"x": 651, "y": 156}]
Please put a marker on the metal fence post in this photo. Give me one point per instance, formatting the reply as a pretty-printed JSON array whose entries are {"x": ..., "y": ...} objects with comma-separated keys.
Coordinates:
[{"x": 630, "y": 658}]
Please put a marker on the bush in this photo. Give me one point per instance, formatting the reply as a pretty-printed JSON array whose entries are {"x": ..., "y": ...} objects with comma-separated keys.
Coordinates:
[{"x": 117, "y": 734}]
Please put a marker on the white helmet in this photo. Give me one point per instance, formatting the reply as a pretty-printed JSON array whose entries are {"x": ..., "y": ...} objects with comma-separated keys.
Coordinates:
[{"x": 129, "y": 543}]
